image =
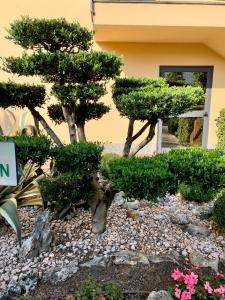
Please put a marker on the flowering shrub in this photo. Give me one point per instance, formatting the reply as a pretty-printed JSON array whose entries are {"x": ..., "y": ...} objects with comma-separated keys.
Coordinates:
[{"x": 195, "y": 285}]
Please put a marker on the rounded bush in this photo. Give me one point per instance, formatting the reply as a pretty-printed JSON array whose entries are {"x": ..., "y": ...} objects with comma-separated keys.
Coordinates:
[
  {"x": 34, "y": 148},
  {"x": 194, "y": 192},
  {"x": 140, "y": 178},
  {"x": 219, "y": 211}
]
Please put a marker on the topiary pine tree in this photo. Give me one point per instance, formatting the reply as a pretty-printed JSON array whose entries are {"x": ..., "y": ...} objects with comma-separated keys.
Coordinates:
[
  {"x": 62, "y": 55},
  {"x": 148, "y": 100}
]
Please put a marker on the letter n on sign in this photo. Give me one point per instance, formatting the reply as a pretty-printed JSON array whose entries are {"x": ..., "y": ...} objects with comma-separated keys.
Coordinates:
[{"x": 8, "y": 165}]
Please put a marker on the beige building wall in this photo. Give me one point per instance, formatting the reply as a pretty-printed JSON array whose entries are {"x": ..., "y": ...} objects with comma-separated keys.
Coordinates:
[{"x": 140, "y": 59}]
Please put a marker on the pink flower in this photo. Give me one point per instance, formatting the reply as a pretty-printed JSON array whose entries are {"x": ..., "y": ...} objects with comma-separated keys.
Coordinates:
[
  {"x": 177, "y": 274},
  {"x": 177, "y": 292},
  {"x": 220, "y": 290},
  {"x": 101, "y": 298},
  {"x": 185, "y": 296},
  {"x": 218, "y": 274},
  {"x": 191, "y": 280},
  {"x": 208, "y": 287}
]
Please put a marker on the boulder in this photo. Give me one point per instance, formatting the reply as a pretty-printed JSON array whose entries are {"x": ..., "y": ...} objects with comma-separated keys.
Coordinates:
[
  {"x": 22, "y": 286},
  {"x": 197, "y": 259},
  {"x": 126, "y": 257},
  {"x": 40, "y": 239},
  {"x": 61, "y": 273},
  {"x": 197, "y": 230}
]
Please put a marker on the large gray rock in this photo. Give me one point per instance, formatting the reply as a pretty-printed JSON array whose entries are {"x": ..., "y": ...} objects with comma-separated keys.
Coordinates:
[
  {"x": 61, "y": 273},
  {"x": 162, "y": 258},
  {"x": 119, "y": 199},
  {"x": 127, "y": 257},
  {"x": 197, "y": 259},
  {"x": 99, "y": 261},
  {"x": 196, "y": 230},
  {"x": 160, "y": 295},
  {"x": 180, "y": 218},
  {"x": 40, "y": 239},
  {"x": 17, "y": 288}
]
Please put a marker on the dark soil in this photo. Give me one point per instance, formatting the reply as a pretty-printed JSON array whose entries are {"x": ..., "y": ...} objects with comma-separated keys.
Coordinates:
[{"x": 136, "y": 282}]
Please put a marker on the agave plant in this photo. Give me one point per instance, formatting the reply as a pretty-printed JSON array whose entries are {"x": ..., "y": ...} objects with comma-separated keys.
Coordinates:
[{"x": 25, "y": 193}]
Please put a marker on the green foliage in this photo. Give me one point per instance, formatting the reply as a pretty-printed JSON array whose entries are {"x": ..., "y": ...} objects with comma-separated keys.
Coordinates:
[
  {"x": 194, "y": 192},
  {"x": 148, "y": 99},
  {"x": 84, "y": 112},
  {"x": 147, "y": 178},
  {"x": 185, "y": 128},
  {"x": 221, "y": 129},
  {"x": 21, "y": 95},
  {"x": 78, "y": 67},
  {"x": 62, "y": 54},
  {"x": 219, "y": 211},
  {"x": 173, "y": 124},
  {"x": 51, "y": 35},
  {"x": 64, "y": 190},
  {"x": 198, "y": 166},
  {"x": 80, "y": 158},
  {"x": 106, "y": 158},
  {"x": 24, "y": 194},
  {"x": 93, "y": 290},
  {"x": 34, "y": 148}
]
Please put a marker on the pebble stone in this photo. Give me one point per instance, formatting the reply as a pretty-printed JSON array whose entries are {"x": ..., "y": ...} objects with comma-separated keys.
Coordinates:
[{"x": 153, "y": 233}]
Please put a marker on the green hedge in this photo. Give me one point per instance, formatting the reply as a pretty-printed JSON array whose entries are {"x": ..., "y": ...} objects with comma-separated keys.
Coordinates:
[
  {"x": 147, "y": 178},
  {"x": 185, "y": 128},
  {"x": 221, "y": 129},
  {"x": 35, "y": 148},
  {"x": 199, "y": 173},
  {"x": 79, "y": 159},
  {"x": 200, "y": 166},
  {"x": 64, "y": 190},
  {"x": 194, "y": 192},
  {"x": 219, "y": 211}
]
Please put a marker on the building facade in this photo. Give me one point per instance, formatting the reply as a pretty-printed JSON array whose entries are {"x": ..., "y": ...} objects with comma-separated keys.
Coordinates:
[{"x": 178, "y": 39}]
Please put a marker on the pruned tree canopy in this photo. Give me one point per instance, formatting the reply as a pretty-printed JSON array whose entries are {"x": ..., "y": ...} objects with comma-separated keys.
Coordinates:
[
  {"x": 84, "y": 112},
  {"x": 144, "y": 99},
  {"x": 60, "y": 52},
  {"x": 21, "y": 95},
  {"x": 50, "y": 35}
]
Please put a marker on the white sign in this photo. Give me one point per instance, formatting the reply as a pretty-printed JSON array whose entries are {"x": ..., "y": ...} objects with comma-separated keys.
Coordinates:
[{"x": 8, "y": 165}]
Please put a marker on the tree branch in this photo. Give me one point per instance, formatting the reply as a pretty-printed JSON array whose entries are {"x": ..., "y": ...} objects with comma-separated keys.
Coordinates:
[
  {"x": 146, "y": 140},
  {"x": 45, "y": 125},
  {"x": 143, "y": 128},
  {"x": 128, "y": 143}
]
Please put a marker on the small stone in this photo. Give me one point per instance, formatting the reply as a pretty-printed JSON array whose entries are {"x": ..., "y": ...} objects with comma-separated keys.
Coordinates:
[
  {"x": 132, "y": 205},
  {"x": 133, "y": 214},
  {"x": 180, "y": 219},
  {"x": 160, "y": 295}
]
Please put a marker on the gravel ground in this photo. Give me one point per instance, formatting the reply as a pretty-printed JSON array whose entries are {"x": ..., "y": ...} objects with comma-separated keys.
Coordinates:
[{"x": 153, "y": 233}]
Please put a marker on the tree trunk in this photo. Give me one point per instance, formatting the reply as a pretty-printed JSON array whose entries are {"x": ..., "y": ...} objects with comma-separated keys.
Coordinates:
[
  {"x": 128, "y": 143},
  {"x": 45, "y": 125},
  {"x": 81, "y": 132},
  {"x": 36, "y": 124},
  {"x": 146, "y": 140},
  {"x": 99, "y": 204},
  {"x": 70, "y": 119}
]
